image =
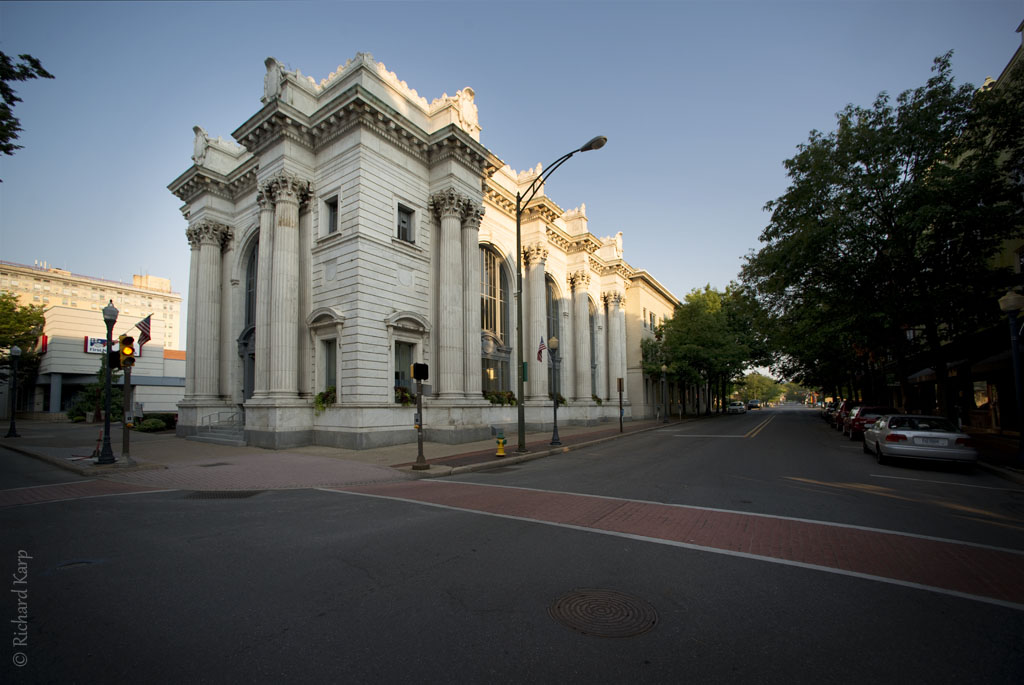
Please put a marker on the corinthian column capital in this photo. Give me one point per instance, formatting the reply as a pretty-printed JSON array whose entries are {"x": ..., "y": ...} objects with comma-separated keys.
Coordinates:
[
  {"x": 207, "y": 232},
  {"x": 474, "y": 215},
  {"x": 613, "y": 298},
  {"x": 535, "y": 254},
  {"x": 449, "y": 203},
  {"x": 578, "y": 280},
  {"x": 287, "y": 187}
]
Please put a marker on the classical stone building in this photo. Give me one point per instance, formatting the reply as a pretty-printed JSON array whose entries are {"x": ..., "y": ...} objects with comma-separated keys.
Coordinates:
[{"x": 356, "y": 228}]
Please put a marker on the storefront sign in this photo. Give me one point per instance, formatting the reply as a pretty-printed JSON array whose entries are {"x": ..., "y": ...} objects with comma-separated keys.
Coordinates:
[{"x": 95, "y": 345}]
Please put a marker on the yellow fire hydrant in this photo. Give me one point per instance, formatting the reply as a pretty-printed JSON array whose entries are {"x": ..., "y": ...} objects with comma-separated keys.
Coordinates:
[{"x": 501, "y": 444}]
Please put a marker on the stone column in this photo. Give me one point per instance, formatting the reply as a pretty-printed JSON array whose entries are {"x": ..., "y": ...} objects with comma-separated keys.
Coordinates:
[
  {"x": 193, "y": 308},
  {"x": 616, "y": 348},
  {"x": 289, "y": 191},
  {"x": 449, "y": 206},
  {"x": 264, "y": 278},
  {"x": 623, "y": 362},
  {"x": 581, "y": 320},
  {"x": 471, "y": 299},
  {"x": 535, "y": 257},
  {"x": 211, "y": 237},
  {"x": 601, "y": 351}
]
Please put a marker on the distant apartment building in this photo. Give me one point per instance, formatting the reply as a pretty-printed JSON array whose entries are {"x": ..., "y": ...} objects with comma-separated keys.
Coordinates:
[
  {"x": 47, "y": 286},
  {"x": 74, "y": 335}
]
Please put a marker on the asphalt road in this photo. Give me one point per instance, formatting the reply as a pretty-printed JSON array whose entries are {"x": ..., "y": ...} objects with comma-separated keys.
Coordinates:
[{"x": 318, "y": 586}]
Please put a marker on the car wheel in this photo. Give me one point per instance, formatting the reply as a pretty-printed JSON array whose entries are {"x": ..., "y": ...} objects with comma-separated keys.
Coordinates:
[{"x": 879, "y": 457}]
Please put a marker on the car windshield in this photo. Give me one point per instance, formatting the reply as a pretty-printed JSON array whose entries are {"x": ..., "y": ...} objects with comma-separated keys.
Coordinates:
[{"x": 923, "y": 423}]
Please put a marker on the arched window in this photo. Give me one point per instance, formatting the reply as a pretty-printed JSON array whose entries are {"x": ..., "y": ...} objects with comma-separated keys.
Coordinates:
[
  {"x": 250, "y": 285},
  {"x": 496, "y": 346},
  {"x": 247, "y": 340}
]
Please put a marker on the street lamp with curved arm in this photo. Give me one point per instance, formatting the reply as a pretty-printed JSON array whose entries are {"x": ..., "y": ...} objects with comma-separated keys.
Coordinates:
[{"x": 595, "y": 143}]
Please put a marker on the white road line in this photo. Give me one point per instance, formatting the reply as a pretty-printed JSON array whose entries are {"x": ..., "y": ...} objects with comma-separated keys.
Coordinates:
[
  {"x": 943, "y": 482},
  {"x": 48, "y": 485},
  {"x": 695, "y": 435}
]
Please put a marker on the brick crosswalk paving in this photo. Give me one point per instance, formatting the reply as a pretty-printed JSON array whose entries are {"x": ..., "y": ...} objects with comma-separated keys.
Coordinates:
[
  {"x": 66, "y": 491},
  {"x": 963, "y": 569}
]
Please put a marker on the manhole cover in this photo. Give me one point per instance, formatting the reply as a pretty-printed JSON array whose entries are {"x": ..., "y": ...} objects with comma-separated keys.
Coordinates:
[
  {"x": 222, "y": 494},
  {"x": 604, "y": 613}
]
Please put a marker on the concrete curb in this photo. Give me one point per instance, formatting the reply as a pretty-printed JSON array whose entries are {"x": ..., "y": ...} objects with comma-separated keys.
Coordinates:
[
  {"x": 87, "y": 468},
  {"x": 530, "y": 456},
  {"x": 1008, "y": 474}
]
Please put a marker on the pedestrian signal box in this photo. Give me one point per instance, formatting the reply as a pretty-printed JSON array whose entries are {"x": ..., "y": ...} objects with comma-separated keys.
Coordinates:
[{"x": 420, "y": 372}]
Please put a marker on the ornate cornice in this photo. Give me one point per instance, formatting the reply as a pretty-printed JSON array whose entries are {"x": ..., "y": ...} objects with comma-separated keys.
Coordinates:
[
  {"x": 557, "y": 238},
  {"x": 199, "y": 180},
  {"x": 208, "y": 232},
  {"x": 452, "y": 142}
]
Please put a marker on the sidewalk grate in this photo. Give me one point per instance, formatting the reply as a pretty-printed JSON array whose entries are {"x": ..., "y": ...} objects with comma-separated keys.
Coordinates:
[{"x": 223, "y": 494}]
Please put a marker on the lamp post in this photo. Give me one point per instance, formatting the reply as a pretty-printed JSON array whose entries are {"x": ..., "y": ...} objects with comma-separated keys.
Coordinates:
[
  {"x": 107, "y": 454},
  {"x": 595, "y": 143},
  {"x": 12, "y": 432},
  {"x": 1011, "y": 303},
  {"x": 553, "y": 353},
  {"x": 664, "y": 391}
]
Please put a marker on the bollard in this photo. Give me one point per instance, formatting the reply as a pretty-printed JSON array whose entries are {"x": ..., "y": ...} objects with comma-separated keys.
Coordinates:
[{"x": 501, "y": 444}]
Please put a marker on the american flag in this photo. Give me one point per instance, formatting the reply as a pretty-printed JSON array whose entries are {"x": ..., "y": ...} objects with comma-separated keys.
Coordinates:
[
  {"x": 540, "y": 350},
  {"x": 144, "y": 331}
]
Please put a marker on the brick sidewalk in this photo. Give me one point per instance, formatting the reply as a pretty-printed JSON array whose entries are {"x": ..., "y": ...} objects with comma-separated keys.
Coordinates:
[{"x": 961, "y": 569}]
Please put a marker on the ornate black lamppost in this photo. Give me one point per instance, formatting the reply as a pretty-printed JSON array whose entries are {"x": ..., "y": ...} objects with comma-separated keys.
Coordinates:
[
  {"x": 12, "y": 432},
  {"x": 1011, "y": 303},
  {"x": 110, "y": 318},
  {"x": 595, "y": 143},
  {"x": 664, "y": 391},
  {"x": 553, "y": 353}
]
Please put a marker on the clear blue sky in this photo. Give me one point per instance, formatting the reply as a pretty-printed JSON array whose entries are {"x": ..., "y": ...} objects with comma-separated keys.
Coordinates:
[{"x": 701, "y": 102}]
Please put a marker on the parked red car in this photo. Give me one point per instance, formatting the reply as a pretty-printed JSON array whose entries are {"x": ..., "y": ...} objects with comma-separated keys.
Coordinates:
[{"x": 863, "y": 418}]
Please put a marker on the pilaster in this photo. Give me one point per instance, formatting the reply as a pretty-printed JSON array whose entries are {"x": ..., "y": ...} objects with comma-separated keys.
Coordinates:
[{"x": 264, "y": 278}]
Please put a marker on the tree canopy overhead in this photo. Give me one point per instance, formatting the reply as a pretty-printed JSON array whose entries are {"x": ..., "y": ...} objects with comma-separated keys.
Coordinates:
[
  {"x": 882, "y": 245},
  {"x": 28, "y": 68}
]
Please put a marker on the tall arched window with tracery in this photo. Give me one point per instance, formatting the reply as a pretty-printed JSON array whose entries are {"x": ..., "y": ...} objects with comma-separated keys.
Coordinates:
[{"x": 495, "y": 342}]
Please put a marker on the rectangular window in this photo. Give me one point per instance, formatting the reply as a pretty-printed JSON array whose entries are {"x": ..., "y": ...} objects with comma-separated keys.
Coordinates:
[
  {"x": 645, "y": 317},
  {"x": 405, "y": 224},
  {"x": 331, "y": 206},
  {"x": 403, "y": 360},
  {"x": 330, "y": 350}
]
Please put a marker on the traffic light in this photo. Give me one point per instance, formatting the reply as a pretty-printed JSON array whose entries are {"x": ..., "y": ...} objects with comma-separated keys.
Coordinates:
[{"x": 126, "y": 355}]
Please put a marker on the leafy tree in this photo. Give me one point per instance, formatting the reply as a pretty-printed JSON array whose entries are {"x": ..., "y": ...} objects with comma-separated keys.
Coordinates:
[
  {"x": 890, "y": 225},
  {"x": 92, "y": 398},
  {"x": 757, "y": 386},
  {"x": 20, "y": 325},
  {"x": 28, "y": 68}
]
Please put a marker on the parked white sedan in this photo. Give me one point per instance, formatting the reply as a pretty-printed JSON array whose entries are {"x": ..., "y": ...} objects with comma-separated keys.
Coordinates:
[
  {"x": 736, "y": 407},
  {"x": 907, "y": 436}
]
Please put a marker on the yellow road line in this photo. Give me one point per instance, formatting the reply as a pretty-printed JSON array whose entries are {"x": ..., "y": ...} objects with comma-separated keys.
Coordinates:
[{"x": 759, "y": 427}]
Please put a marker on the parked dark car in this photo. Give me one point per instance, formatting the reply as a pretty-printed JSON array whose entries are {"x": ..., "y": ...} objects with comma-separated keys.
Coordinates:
[
  {"x": 863, "y": 417},
  {"x": 754, "y": 404},
  {"x": 842, "y": 412}
]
